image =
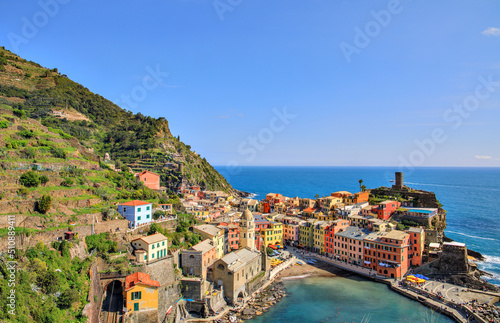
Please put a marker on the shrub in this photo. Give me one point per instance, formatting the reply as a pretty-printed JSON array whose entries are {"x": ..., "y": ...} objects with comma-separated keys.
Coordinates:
[
  {"x": 29, "y": 153},
  {"x": 44, "y": 179},
  {"x": 26, "y": 133},
  {"x": 23, "y": 191},
  {"x": 67, "y": 182},
  {"x": 44, "y": 204},
  {"x": 4, "y": 124},
  {"x": 101, "y": 242},
  {"x": 58, "y": 152},
  {"x": 30, "y": 179},
  {"x": 19, "y": 113}
]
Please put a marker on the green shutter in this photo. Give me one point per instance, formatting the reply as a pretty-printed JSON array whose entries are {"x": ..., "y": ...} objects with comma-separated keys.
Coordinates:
[
  {"x": 139, "y": 296},
  {"x": 136, "y": 306},
  {"x": 132, "y": 296}
]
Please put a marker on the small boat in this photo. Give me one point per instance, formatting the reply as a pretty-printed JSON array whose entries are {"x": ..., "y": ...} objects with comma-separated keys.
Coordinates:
[
  {"x": 392, "y": 181},
  {"x": 169, "y": 309},
  {"x": 310, "y": 262}
]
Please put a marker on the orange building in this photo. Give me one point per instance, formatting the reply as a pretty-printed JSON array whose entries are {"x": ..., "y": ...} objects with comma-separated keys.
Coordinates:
[
  {"x": 141, "y": 292},
  {"x": 417, "y": 242},
  {"x": 150, "y": 179},
  {"x": 330, "y": 232},
  {"x": 387, "y": 253}
]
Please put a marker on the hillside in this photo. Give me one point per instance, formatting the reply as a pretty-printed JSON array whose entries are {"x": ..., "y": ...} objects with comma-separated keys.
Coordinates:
[{"x": 103, "y": 128}]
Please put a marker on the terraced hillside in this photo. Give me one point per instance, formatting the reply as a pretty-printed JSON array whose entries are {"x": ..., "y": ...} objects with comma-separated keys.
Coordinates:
[{"x": 130, "y": 140}]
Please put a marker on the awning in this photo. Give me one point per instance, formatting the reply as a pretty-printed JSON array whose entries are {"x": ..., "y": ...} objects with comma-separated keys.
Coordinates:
[
  {"x": 367, "y": 262},
  {"x": 272, "y": 246}
]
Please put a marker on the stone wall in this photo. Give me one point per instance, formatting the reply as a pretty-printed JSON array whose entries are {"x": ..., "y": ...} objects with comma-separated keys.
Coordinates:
[
  {"x": 92, "y": 309},
  {"x": 454, "y": 260},
  {"x": 24, "y": 242},
  {"x": 163, "y": 271}
]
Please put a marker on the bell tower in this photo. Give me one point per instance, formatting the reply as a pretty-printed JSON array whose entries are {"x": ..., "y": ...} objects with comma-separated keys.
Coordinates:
[{"x": 247, "y": 230}]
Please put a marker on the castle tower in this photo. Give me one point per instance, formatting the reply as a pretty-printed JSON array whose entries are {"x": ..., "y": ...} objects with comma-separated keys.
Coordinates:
[
  {"x": 247, "y": 230},
  {"x": 399, "y": 180}
]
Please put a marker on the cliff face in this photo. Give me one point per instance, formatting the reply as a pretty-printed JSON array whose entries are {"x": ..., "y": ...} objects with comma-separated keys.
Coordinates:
[{"x": 97, "y": 124}]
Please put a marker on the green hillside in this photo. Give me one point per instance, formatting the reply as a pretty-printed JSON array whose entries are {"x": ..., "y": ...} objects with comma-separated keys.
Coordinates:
[{"x": 131, "y": 140}]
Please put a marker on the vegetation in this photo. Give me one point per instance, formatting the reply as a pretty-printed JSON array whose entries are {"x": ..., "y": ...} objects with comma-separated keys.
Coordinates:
[
  {"x": 44, "y": 204},
  {"x": 30, "y": 179},
  {"x": 50, "y": 286},
  {"x": 102, "y": 243}
]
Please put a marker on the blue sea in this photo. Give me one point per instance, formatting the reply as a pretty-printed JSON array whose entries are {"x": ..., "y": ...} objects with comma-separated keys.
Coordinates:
[{"x": 469, "y": 195}]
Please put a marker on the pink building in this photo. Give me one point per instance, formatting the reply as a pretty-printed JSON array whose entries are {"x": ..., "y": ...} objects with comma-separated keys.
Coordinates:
[{"x": 348, "y": 245}]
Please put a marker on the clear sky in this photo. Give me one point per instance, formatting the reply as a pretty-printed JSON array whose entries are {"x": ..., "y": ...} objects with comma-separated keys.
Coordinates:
[{"x": 286, "y": 82}]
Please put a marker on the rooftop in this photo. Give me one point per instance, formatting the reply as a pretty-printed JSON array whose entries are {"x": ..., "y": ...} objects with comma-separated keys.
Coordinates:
[
  {"x": 134, "y": 203},
  {"x": 154, "y": 238},
  {"x": 236, "y": 259},
  {"x": 136, "y": 278},
  {"x": 204, "y": 246},
  {"x": 353, "y": 233},
  {"x": 208, "y": 228}
]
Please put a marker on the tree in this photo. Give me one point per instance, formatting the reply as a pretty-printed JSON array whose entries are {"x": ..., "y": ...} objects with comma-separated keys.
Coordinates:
[
  {"x": 360, "y": 182},
  {"x": 44, "y": 204},
  {"x": 316, "y": 196},
  {"x": 363, "y": 188},
  {"x": 44, "y": 179},
  {"x": 68, "y": 297},
  {"x": 30, "y": 179},
  {"x": 269, "y": 251}
]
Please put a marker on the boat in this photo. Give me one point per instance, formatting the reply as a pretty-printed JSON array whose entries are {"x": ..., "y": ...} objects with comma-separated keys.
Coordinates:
[
  {"x": 169, "y": 309},
  {"x": 392, "y": 181},
  {"x": 310, "y": 262}
]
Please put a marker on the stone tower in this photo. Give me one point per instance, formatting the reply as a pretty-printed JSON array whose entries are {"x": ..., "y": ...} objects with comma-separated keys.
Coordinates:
[
  {"x": 247, "y": 230},
  {"x": 399, "y": 180}
]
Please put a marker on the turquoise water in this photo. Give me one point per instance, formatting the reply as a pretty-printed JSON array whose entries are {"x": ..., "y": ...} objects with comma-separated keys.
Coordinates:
[
  {"x": 338, "y": 299},
  {"x": 470, "y": 195}
]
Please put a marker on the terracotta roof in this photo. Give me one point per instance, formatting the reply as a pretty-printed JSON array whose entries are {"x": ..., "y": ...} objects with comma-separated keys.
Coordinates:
[
  {"x": 146, "y": 171},
  {"x": 157, "y": 237},
  {"x": 309, "y": 209},
  {"x": 135, "y": 203},
  {"x": 136, "y": 278}
]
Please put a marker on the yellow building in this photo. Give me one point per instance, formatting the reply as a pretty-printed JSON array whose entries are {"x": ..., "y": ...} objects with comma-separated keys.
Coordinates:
[
  {"x": 150, "y": 248},
  {"x": 141, "y": 292},
  {"x": 319, "y": 236},
  {"x": 208, "y": 231},
  {"x": 273, "y": 235},
  {"x": 306, "y": 233}
]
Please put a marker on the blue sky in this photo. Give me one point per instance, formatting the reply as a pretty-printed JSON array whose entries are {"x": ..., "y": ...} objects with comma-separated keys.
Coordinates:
[{"x": 286, "y": 82}]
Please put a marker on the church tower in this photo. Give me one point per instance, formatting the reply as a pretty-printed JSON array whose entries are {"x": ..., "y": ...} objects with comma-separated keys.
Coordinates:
[{"x": 247, "y": 230}]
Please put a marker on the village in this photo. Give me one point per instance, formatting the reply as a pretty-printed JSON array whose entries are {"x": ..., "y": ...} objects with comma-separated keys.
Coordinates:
[{"x": 246, "y": 243}]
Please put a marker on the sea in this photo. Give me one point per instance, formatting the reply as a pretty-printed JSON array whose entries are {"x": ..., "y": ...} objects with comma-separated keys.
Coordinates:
[{"x": 469, "y": 195}]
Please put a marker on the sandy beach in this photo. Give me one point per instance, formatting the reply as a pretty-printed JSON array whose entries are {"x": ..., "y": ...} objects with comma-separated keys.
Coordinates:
[{"x": 320, "y": 269}]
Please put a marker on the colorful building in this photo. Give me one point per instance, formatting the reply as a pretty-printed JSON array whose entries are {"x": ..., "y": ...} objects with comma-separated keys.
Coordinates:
[
  {"x": 150, "y": 248},
  {"x": 417, "y": 244},
  {"x": 233, "y": 235},
  {"x": 306, "y": 234},
  {"x": 273, "y": 234},
  {"x": 319, "y": 236},
  {"x": 198, "y": 258},
  {"x": 385, "y": 209},
  {"x": 151, "y": 180},
  {"x": 387, "y": 253},
  {"x": 141, "y": 292},
  {"x": 208, "y": 231},
  {"x": 136, "y": 212},
  {"x": 330, "y": 232},
  {"x": 348, "y": 245}
]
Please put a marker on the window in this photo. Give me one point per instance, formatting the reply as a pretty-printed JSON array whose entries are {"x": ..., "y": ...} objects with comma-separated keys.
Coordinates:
[
  {"x": 158, "y": 245},
  {"x": 152, "y": 255},
  {"x": 124, "y": 209},
  {"x": 163, "y": 243},
  {"x": 153, "y": 246},
  {"x": 147, "y": 216},
  {"x": 147, "y": 208},
  {"x": 145, "y": 257},
  {"x": 138, "y": 209},
  {"x": 136, "y": 295},
  {"x": 136, "y": 306},
  {"x": 138, "y": 218}
]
